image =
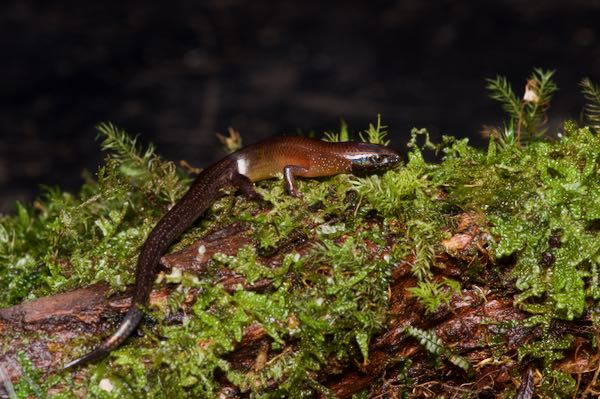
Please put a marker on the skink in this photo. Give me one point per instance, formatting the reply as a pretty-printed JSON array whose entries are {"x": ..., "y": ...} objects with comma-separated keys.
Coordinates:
[{"x": 294, "y": 156}]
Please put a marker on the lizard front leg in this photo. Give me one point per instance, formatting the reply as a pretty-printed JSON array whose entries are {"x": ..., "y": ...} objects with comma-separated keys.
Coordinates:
[{"x": 289, "y": 174}]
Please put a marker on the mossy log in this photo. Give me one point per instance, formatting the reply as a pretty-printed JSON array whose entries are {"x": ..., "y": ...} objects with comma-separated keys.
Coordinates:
[{"x": 473, "y": 324}]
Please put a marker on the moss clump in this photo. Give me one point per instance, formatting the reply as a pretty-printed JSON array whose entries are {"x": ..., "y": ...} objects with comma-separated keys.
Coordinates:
[
  {"x": 543, "y": 202},
  {"x": 64, "y": 241}
]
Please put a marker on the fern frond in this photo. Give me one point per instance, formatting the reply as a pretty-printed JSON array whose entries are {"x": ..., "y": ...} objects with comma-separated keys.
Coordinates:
[
  {"x": 527, "y": 114},
  {"x": 434, "y": 345},
  {"x": 546, "y": 86},
  {"x": 538, "y": 93},
  {"x": 122, "y": 146},
  {"x": 144, "y": 168},
  {"x": 591, "y": 92},
  {"x": 501, "y": 91}
]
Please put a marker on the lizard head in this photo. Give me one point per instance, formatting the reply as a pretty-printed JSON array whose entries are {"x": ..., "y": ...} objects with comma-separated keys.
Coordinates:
[{"x": 369, "y": 158}]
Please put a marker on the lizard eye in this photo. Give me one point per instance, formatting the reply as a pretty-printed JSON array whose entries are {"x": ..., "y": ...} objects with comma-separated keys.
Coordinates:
[{"x": 376, "y": 159}]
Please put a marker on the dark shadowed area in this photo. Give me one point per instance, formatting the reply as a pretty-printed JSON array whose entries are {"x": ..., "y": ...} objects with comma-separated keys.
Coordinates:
[{"x": 178, "y": 72}]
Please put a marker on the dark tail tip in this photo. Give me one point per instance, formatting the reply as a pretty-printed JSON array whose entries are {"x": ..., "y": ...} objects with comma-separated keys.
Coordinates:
[
  {"x": 93, "y": 355},
  {"x": 127, "y": 326}
]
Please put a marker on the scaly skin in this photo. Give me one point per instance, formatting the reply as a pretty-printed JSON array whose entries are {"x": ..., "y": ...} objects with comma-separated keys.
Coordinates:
[{"x": 294, "y": 156}]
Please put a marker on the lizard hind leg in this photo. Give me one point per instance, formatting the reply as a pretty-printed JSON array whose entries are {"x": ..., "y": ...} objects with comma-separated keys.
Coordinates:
[{"x": 245, "y": 185}]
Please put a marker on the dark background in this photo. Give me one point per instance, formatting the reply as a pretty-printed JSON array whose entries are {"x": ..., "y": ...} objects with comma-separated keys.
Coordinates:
[{"x": 177, "y": 72}]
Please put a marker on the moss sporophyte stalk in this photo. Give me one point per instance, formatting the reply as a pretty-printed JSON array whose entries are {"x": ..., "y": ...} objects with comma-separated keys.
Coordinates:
[{"x": 327, "y": 300}]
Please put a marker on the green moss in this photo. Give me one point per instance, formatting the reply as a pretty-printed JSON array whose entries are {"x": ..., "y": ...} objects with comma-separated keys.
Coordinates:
[
  {"x": 31, "y": 383},
  {"x": 555, "y": 384},
  {"x": 65, "y": 241},
  {"x": 433, "y": 293},
  {"x": 543, "y": 203}
]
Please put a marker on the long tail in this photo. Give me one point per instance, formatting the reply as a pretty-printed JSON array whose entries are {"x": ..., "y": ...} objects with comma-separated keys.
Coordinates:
[
  {"x": 201, "y": 194},
  {"x": 128, "y": 325}
]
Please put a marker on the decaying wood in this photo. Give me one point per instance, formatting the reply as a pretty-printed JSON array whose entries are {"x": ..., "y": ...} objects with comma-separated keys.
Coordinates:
[{"x": 469, "y": 325}]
